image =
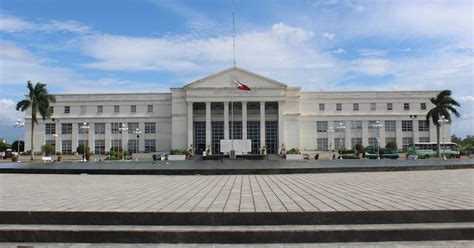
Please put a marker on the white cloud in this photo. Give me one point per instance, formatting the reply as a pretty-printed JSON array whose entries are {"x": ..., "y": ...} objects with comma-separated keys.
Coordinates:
[
  {"x": 12, "y": 51},
  {"x": 328, "y": 36},
  {"x": 13, "y": 24},
  {"x": 466, "y": 99},
  {"x": 367, "y": 52},
  {"x": 339, "y": 51},
  {"x": 371, "y": 66},
  {"x": 8, "y": 113}
]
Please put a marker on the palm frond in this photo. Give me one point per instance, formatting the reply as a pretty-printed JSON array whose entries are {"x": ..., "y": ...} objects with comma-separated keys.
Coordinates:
[{"x": 23, "y": 105}]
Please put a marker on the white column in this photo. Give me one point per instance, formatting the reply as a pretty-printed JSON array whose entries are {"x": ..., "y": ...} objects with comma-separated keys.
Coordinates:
[
  {"x": 226, "y": 120},
  {"x": 190, "y": 123},
  {"x": 281, "y": 138},
  {"x": 141, "y": 138},
  {"x": 75, "y": 136},
  {"x": 416, "y": 133},
  {"x": 208, "y": 124},
  {"x": 365, "y": 133},
  {"x": 262, "y": 124},
  {"x": 244, "y": 120},
  {"x": 348, "y": 134},
  {"x": 398, "y": 134},
  {"x": 58, "y": 142},
  {"x": 91, "y": 137},
  {"x": 108, "y": 137}
]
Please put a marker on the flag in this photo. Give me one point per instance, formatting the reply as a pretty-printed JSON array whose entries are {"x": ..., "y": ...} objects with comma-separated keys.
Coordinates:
[{"x": 241, "y": 86}]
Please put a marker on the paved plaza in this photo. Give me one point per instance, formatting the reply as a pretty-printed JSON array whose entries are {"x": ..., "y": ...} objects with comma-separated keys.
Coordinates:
[{"x": 368, "y": 191}]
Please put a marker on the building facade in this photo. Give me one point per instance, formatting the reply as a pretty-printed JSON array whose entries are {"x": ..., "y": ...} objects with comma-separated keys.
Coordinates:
[{"x": 211, "y": 109}]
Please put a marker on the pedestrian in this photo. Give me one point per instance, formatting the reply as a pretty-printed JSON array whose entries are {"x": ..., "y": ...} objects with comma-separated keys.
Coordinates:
[{"x": 204, "y": 153}]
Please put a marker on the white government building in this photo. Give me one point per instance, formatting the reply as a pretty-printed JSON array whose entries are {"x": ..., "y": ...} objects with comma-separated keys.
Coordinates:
[{"x": 200, "y": 113}]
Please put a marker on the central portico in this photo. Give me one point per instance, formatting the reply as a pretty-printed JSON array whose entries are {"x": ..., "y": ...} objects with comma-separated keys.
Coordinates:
[{"x": 213, "y": 109}]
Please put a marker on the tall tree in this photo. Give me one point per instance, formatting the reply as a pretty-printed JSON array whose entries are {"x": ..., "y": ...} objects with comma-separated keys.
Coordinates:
[
  {"x": 38, "y": 101},
  {"x": 444, "y": 106}
]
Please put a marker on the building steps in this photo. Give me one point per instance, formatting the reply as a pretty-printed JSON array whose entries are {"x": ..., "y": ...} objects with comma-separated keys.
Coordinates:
[{"x": 234, "y": 227}]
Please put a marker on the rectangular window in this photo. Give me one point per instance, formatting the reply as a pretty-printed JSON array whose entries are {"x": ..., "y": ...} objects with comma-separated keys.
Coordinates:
[
  {"x": 321, "y": 126},
  {"x": 133, "y": 108},
  {"x": 149, "y": 108},
  {"x": 67, "y": 109},
  {"x": 50, "y": 128},
  {"x": 81, "y": 129},
  {"x": 423, "y": 106},
  {"x": 390, "y": 126},
  {"x": 83, "y": 109},
  {"x": 372, "y": 124},
  {"x": 66, "y": 147},
  {"x": 339, "y": 143},
  {"x": 406, "y": 142},
  {"x": 99, "y": 146},
  {"x": 423, "y": 126},
  {"x": 150, "y": 145},
  {"x": 100, "y": 109},
  {"x": 83, "y": 142},
  {"x": 116, "y": 108},
  {"x": 355, "y": 141},
  {"x": 406, "y": 106},
  {"x": 115, "y": 127},
  {"x": 50, "y": 142},
  {"x": 132, "y": 126},
  {"x": 355, "y": 106},
  {"x": 66, "y": 128},
  {"x": 339, "y": 126},
  {"x": 389, "y": 106},
  {"x": 51, "y": 109},
  {"x": 356, "y": 125},
  {"x": 133, "y": 146},
  {"x": 321, "y": 106},
  {"x": 338, "y": 106},
  {"x": 99, "y": 128},
  {"x": 424, "y": 139},
  {"x": 115, "y": 144},
  {"x": 373, "y": 142},
  {"x": 322, "y": 144},
  {"x": 150, "y": 127},
  {"x": 407, "y": 126},
  {"x": 373, "y": 106}
]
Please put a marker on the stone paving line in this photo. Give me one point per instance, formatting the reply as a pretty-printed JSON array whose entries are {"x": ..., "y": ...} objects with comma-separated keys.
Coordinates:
[{"x": 367, "y": 191}]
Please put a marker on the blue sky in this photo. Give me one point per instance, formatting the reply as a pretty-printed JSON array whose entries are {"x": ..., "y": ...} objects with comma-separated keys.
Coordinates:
[{"x": 152, "y": 45}]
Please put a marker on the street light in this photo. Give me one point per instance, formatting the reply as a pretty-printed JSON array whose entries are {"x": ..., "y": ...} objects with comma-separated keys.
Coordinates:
[
  {"x": 124, "y": 129},
  {"x": 18, "y": 125},
  {"x": 84, "y": 128},
  {"x": 341, "y": 128},
  {"x": 443, "y": 121},
  {"x": 378, "y": 126},
  {"x": 330, "y": 131},
  {"x": 137, "y": 131}
]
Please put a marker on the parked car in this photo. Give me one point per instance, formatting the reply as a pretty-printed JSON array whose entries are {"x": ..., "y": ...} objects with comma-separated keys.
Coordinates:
[{"x": 389, "y": 153}]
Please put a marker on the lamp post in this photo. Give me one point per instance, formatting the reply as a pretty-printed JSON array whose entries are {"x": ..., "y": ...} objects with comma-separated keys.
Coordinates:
[
  {"x": 124, "y": 129},
  {"x": 330, "y": 131},
  {"x": 443, "y": 121},
  {"x": 378, "y": 126},
  {"x": 18, "y": 125},
  {"x": 137, "y": 131},
  {"x": 341, "y": 128},
  {"x": 84, "y": 128}
]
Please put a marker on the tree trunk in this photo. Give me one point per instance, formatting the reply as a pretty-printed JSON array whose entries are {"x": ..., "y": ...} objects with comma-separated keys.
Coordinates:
[
  {"x": 32, "y": 151},
  {"x": 438, "y": 154}
]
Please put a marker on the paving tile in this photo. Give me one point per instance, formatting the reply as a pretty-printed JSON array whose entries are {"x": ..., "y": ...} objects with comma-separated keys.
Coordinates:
[{"x": 367, "y": 191}]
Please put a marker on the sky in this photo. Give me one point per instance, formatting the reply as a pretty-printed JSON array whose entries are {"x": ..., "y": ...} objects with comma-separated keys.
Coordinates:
[{"x": 88, "y": 46}]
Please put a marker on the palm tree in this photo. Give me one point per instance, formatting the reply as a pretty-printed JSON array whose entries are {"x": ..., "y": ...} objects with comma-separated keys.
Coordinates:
[
  {"x": 444, "y": 106},
  {"x": 38, "y": 100}
]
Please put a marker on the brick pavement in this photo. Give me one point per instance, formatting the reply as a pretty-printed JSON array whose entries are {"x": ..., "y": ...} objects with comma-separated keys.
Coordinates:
[{"x": 369, "y": 191}]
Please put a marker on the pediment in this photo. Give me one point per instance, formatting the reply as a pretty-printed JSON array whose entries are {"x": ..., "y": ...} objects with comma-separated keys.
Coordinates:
[{"x": 224, "y": 79}]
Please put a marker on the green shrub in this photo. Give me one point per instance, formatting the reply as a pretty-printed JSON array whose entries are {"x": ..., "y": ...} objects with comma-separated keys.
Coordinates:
[
  {"x": 293, "y": 151},
  {"x": 178, "y": 152},
  {"x": 47, "y": 149},
  {"x": 154, "y": 157},
  {"x": 391, "y": 145}
]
